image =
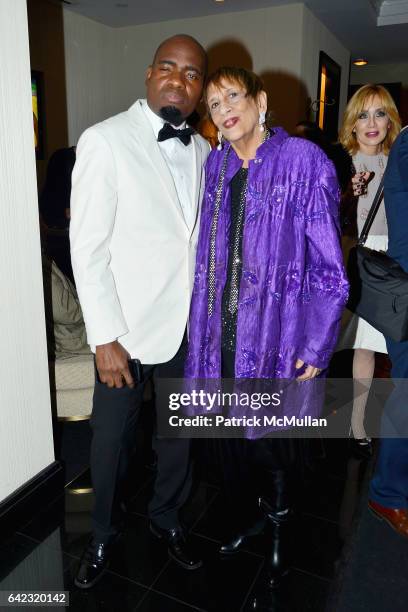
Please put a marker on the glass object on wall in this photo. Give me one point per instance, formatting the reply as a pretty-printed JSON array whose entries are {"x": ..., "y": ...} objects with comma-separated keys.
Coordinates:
[{"x": 328, "y": 94}]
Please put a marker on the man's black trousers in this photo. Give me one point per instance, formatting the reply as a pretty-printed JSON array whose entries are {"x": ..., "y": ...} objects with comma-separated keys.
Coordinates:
[{"x": 114, "y": 417}]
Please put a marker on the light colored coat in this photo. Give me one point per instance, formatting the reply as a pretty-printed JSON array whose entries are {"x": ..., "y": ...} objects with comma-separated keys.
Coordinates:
[{"x": 133, "y": 254}]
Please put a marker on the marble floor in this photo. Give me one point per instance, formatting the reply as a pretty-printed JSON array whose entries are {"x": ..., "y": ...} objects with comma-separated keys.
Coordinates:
[{"x": 44, "y": 553}]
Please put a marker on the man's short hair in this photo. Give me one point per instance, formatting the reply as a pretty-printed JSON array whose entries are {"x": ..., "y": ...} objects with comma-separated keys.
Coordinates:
[{"x": 188, "y": 37}]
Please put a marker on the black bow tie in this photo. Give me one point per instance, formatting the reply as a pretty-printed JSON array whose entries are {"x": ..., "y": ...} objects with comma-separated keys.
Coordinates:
[{"x": 168, "y": 131}]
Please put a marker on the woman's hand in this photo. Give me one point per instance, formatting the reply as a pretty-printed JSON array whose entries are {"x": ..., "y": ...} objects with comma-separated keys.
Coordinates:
[
  {"x": 310, "y": 372},
  {"x": 360, "y": 182}
]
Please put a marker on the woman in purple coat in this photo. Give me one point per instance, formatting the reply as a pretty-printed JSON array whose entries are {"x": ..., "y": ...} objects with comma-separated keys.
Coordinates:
[{"x": 270, "y": 285}]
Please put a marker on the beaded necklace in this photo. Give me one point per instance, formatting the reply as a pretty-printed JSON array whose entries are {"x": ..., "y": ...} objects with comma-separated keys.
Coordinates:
[{"x": 233, "y": 302}]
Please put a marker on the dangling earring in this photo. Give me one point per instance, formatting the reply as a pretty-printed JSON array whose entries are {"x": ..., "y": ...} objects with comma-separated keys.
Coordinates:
[
  {"x": 261, "y": 121},
  {"x": 220, "y": 140}
]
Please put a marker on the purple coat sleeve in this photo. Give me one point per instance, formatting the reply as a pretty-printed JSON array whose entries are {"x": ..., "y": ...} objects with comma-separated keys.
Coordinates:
[{"x": 326, "y": 286}]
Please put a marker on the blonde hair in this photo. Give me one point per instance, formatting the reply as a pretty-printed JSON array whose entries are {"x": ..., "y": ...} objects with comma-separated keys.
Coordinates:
[{"x": 356, "y": 104}]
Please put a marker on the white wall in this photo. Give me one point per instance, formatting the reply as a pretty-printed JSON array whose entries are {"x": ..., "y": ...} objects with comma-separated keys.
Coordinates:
[
  {"x": 379, "y": 73},
  {"x": 26, "y": 442},
  {"x": 94, "y": 87},
  {"x": 105, "y": 67},
  {"x": 315, "y": 38}
]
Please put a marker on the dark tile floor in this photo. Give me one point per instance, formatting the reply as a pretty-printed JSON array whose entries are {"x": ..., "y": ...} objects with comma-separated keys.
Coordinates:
[{"x": 44, "y": 553}]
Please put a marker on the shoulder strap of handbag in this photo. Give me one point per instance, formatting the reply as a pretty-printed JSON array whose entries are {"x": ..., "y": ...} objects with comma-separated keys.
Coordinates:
[{"x": 372, "y": 212}]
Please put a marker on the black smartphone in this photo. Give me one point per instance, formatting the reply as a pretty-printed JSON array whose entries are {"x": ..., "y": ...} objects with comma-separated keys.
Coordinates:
[{"x": 136, "y": 370}]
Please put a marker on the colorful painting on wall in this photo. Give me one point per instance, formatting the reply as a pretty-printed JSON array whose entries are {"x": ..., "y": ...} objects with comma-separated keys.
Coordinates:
[{"x": 38, "y": 116}]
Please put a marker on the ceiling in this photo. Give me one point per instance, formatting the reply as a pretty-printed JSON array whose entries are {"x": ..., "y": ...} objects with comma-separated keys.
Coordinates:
[{"x": 353, "y": 22}]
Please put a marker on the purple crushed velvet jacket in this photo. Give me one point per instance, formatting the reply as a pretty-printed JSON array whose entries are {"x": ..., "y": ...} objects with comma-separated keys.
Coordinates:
[{"x": 293, "y": 285}]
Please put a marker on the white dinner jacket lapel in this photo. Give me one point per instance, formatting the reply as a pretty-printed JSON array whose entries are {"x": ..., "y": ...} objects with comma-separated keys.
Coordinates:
[{"x": 148, "y": 143}]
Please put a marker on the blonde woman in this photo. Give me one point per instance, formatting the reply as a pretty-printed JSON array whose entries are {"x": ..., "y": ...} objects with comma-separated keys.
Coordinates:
[{"x": 370, "y": 125}]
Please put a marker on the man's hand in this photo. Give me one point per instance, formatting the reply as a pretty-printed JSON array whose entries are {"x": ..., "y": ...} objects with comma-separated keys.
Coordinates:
[
  {"x": 112, "y": 364},
  {"x": 310, "y": 372}
]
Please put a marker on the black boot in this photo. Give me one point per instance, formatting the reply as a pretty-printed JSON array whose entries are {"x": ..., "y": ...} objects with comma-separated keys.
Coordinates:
[
  {"x": 240, "y": 539},
  {"x": 277, "y": 562},
  {"x": 278, "y": 555},
  {"x": 266, "y": 600}
]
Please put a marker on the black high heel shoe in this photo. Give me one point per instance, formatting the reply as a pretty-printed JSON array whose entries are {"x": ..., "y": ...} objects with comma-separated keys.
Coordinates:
[{"x": 238, "y": 541}]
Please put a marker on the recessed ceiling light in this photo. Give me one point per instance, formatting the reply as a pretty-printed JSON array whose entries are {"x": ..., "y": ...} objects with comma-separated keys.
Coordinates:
[
  {"x": 219, "y": 0},
  {"x": 360, "y": 62}
]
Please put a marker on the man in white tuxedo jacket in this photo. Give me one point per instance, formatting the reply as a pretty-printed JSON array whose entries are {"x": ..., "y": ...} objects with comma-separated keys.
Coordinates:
[{"x": 136, "y": 188}]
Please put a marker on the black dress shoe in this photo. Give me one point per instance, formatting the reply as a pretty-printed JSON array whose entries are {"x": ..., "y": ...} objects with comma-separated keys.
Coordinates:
[
  {"x": 93, "y": 563},
  {"x": 238, "y": 542},
  {"x": 178, "y": 548}
]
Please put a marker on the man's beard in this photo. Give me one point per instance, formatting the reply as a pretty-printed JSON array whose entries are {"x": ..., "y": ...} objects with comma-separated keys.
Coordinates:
[{"x": 172, "y": 114}]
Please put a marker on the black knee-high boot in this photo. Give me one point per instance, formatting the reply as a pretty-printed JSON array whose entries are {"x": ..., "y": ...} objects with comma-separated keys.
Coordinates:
[
  {"x": 244, "y": 517},
  {"x": 276, "y": 509},
  {"x": 278, "y": 556},
  {"x": 275, "y": 506}
]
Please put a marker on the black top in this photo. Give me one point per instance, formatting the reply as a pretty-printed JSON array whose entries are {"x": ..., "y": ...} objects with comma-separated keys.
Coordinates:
[{"x": 234, "y": 272}]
